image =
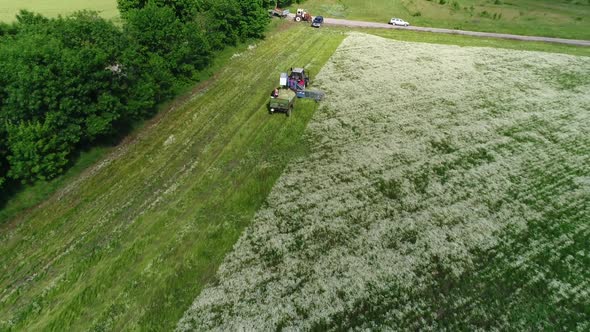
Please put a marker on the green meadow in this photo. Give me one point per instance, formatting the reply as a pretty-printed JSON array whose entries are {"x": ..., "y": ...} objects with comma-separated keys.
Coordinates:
[{"x": 53, "y": 8}]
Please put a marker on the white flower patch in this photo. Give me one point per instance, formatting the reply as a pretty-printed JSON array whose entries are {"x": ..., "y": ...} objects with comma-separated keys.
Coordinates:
[
  {"x": 170, "y": 140},
  {"x": 420, "y": 155}
]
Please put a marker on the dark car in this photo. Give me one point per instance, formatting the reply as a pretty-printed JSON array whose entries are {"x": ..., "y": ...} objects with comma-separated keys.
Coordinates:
[{"x": 317, "y": 21}]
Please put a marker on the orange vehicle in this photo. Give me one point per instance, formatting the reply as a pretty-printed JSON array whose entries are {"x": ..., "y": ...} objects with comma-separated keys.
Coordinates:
[{"x": 302, "y": 15}]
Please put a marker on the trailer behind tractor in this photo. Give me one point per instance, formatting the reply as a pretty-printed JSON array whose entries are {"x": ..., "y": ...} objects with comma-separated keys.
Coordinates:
[
  {"x": 292, "y": 85},
  {"x": 278, "y": 12},
  {"x": 284, "y": 101}
]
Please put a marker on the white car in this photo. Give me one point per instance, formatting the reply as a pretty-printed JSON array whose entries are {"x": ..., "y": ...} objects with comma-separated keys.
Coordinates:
[{"x": 398, "y": 21}]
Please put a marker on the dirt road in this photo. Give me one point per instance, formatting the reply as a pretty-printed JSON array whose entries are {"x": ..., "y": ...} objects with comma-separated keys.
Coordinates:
[{"x": 361, "y": 24}]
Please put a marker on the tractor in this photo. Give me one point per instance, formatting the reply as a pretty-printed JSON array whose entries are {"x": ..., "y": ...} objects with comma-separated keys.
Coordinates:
[
  {"x": 298, "y": 79},
  {"x": 302, "y": 15},
  {"x": 292, "y": 85}
]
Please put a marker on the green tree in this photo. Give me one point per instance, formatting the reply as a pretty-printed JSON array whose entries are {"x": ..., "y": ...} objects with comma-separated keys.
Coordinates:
[
  {"x": 28, "y": 18},
  {"x": 286, "y": 3},
  {"x": 185, "y": 10},
  {"x": 254, "y": 18},
  {"x": 226, "y": 21},
  {"x": 3, "y": 161},
  {"x": 230, "y": 21},
  {"x": 161, "y": 42},
  {"x": 37, "y": 151},
  {"x": 56, "y": 80},
  {"x": 126, "y": 5}
]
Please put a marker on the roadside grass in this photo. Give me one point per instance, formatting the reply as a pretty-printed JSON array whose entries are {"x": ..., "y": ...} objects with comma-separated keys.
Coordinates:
[
  {"x": 447, "y": 188},
  {"x": 562, "y": 18},
  {"x": 130, "y": 242},
  {"x": 53, "y": 8},
  {"x": 446, "y": 39}
]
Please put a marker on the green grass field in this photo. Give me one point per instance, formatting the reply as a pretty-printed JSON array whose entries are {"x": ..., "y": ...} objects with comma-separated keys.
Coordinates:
[
  {"x": 552, "y": 18},
  {"x": 53, "y": 8}
]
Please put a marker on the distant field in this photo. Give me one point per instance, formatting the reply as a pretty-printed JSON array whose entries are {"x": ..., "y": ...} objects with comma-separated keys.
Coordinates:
[
  {"x": 553, "y": 18},
  {"x": 446, "y": 190},
  {"x": 52, "y": 8}
]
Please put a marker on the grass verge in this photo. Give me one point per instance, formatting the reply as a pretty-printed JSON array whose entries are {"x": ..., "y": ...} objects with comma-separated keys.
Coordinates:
[
  {"x": 445, "y": 39},
  {"x": 550, "y": 18}
]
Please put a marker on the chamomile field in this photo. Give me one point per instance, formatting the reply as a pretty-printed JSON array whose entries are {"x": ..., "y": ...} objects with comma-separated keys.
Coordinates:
[{"x": 448, "y": 189}]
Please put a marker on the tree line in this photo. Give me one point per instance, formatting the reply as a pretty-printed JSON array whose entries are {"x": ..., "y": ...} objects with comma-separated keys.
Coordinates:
[{"x": 67, "y": 82}]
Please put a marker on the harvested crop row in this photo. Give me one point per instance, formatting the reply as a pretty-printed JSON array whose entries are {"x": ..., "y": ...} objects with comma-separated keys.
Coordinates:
[{"x": 446, "y": 187}]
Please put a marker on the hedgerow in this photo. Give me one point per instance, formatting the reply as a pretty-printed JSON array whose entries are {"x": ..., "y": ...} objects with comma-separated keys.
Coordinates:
[{"x": 446, "y": 188}]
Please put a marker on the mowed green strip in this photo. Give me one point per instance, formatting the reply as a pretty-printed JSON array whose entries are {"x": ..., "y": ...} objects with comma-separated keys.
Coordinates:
[
  {"x": 130, "y": 244},
  {"x": 552, "y": 18},
  {"x": 53, "y": 8}
]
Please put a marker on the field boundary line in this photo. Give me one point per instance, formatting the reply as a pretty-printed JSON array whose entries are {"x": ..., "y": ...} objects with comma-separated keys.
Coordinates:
[{"x": 364, "y": 24}]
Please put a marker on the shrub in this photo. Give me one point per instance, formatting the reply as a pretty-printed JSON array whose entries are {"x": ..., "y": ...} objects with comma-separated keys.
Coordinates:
[
  {"x": 184, "y": 10},
  {"x": 37, "y": 150},
  {"x": 158, "y": 33},
  {"x": 55, "y": 86}
]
